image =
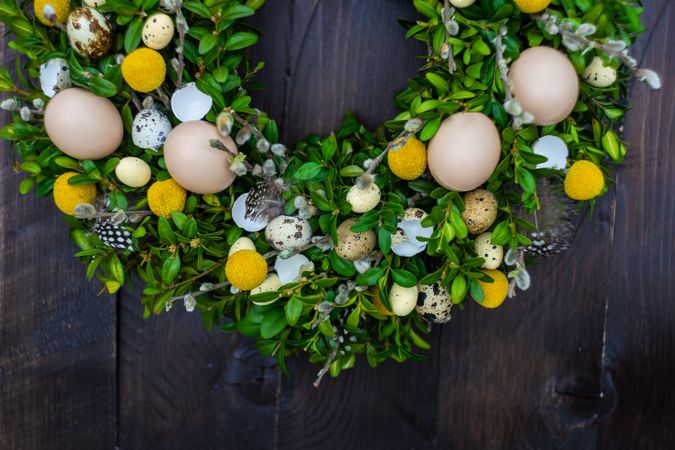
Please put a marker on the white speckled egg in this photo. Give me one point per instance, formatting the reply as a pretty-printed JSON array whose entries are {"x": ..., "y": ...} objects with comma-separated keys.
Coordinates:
[
  {"x": 132, "y": 171},
  {"x": 243, "y": 243},
  {"x": 351, "y": 245},
  {"x": 402, "y": 299},
  {"x": 158, "y": 31},
  {"x": 364, "y": 200},
  {"x": 271, "y": 283},
  {"x": 492, "y": 254},
  {"x": 462, "y": 3},
  {"x": 94, "y": 3},
  {"x": 54, "y": 76},
  {"x": 599, "y": 75},
  {"x": 288, "y": 232},
  {"x": 150, "y": 129},
  {"x": 480, "y": 210},
  {"x": 434, "y": 303},
  {"x": 89, "y": 32}
]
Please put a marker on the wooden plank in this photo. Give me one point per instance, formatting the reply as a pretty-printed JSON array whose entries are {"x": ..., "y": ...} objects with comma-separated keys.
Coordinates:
[
  {"x": 57, "y": 339},
  {"x": 640, "y": 335}
]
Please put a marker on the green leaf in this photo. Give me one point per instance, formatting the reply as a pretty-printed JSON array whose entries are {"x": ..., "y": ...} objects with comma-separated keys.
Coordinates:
[
  {"x": 293, "y": 310},
  {"x": 384, "y": 240},
  {"x": 501, "y": 233},
  {"x": 341, "y": 266},
  {"x": 207, "y": 43},
  {"x": 132, "y": 37},
  {"x": 426, "y": 9},
  {"x": 430, "y": 129},
  {"x": 441, "y": 85},
  {"x": 240, "y": 40},
  {"x": 370, "y": 276},
  {"x": 273, "y": 323},
  {"x": 170, "y": 268},
  {"x": 458, "y": 289},
  {"x": 308, "y": 171},
  {"x": 404, "y": 278},
  {"x": 165, "y": 232},
  {"x": 236, "y": 11}
]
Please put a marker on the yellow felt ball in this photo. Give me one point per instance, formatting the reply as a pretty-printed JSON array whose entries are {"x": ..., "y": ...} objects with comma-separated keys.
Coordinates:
[
  {"x": 68, "y": 196},
  {"x": 584, "y": 181},
  {"x": 165, "y": 197},
  {"x": 58, "y": 8},
  {"x": 246, "y": 269},
  {"x": 409, "y": 161},
  {"x": 532, "y": 6},
  {"x": 144, "y": 69},
  {"x": 494, "y": 293}
]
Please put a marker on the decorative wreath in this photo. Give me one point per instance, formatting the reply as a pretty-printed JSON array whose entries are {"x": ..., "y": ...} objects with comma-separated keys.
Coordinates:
[{"x": 135, "y": 116}]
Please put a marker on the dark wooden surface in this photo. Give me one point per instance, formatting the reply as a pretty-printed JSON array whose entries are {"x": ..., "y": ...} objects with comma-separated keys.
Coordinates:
[{"x": 584, "y": 360}]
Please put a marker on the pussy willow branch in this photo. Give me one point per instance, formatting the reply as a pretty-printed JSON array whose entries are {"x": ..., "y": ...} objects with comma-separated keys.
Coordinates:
[
  {"x": 180, "y": 50},
  {"x": 196, "y": 294}
]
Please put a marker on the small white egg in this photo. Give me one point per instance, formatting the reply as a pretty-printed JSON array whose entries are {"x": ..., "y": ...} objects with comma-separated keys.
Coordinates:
[
  {"x": 271, "y": 283},
  {"x": 402, "y": 299},
  {"x": 150, "y": 129},
  {"x": 158, "y": 31},
  {"x": 243, "y": 243},
  {"x": 289, "y": 269},
  {"x": 132, "y": 171},
  {"x": 54, "y": 76},
  {"x": 434, "y": 303},
  {"x": 239, "y": 216},
  {"x": 89, "y": 32},
  {"x": 94, "y": 3},
  {"x": 553, "y": 148},
  {"x": 462, "y": 3},
  {"x": 364, "y": 200},
  {"x": 189, "y": 103},
  {"x": 599, "y": 75},
  {"x": 288, "y": 232},
  {"x": 492, "y": 254}
]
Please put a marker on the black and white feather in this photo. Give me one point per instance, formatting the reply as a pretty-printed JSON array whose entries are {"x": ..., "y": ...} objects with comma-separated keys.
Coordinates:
[
  {"x": 264, "y": 201},
  {"x": 113, "y": 235}
]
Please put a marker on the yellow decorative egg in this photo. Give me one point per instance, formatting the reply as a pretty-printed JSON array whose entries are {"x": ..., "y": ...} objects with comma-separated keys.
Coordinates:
[{"x": 68, "y": 196}]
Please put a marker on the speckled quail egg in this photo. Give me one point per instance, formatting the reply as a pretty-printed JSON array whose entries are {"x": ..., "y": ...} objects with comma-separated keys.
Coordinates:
[
  {"x": 462, "y": 3},
  {"x": 434, "y": 303},
  {"x": 158, "y": 31},
  {"x": 54, "y": 76},
  {"x": 492, "y": 254},
  {"x": 132, "y": 171},
  {"x": 351, "y": 245},
  {"x": 89, "y": 32},
  {"x": 289, "y": 269},
  {"x": 402, "y": 299},
  {"x": 480, "y": 210},
  {"x": 288, "y": 232},
  {"x": 271, "y": 283},
  {"x": 364, "y": 200},
  {"x": 414, "y": 214},
  {"x": 150, "y": 129},
  {"x": 243, "y": 243},
  {"x": 94, "y": 3},
  {"x": 599, "y": 75}
]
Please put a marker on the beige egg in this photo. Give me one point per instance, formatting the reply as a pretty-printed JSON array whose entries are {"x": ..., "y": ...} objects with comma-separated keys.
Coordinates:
[
  {"x": 545, "y": 83},
  {"x": 83, "y": 125},
  {"x": 271, "y": 284},
  {"x": 288, "y": 232},
  {"x": 243, "y": 243},
  {"x": 158, "y": 31},
  {"x": 94, "y": 3},
  {"x": 194, "y": 163},
  {"x": 492, "y": 254},
  {"x": 132, "y": 171},
  {"x": 402, "y": 299},
  {"x": 480, "y": 210},
  {"x": 598, "y": 75},
  {"x": 462, "y": 3},
  {"x": 364, "y": 200},
  {"x": 464, "y": 152},
  {"x": 351, "y": 245},
  {"x": 433, "y": 303},
  {"x": 414, "y": 214},
  {"x": 89, "y": 32}
]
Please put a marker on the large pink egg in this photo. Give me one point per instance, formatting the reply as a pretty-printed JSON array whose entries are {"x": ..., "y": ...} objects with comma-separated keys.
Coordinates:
[
  {"x": 464, "y": 152},
  {"x": 83, "y": 125},
  {"x": 193, "y": 163},
  {"x": 545, "y": 83}
]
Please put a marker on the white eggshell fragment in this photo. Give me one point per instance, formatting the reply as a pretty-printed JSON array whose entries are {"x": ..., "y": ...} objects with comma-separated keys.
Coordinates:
[
  {"x": 364, "y": 200},
  {"x": 271, "y": 283},
  {"x": 189, "y": 103},
  {"x": 598, "y": 75},
  {"x": 405, "y": 242},
  {"x": 89, "y": 32},
  {"x": 54, "y": 76},
  {"x": 239, "y": 216},
  {"x": 288, "y": 269},
  {"x": 434, "y": 303},
  {"x": 94, "y": 3},
  {"x": 553, "y": 148},
  {"x": 243, "y": 243},
  {"x": 402, "y": 299},
  {"x": 150, "y": 129},
  {"x": 132, "y": 171},
  {"x": 492, "y": 254},
  {"x": 288, "y": 232},
  {"x": 158, "y": 31},
  {"x": 462, "y": 3}
]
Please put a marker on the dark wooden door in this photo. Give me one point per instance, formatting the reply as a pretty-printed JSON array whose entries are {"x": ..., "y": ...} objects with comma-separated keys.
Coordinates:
[{"x": 584, "y": 360}]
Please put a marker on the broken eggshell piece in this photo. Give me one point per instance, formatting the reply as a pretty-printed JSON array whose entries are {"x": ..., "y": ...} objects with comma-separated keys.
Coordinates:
[
  {"x": 239, "y": 216},
  {"x": 289, "y": 269},
  {"x": 189, "y": 103},
  {"x": 405, "y": 242}
]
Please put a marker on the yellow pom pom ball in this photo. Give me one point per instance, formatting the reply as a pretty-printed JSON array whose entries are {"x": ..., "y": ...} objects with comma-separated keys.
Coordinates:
[
  {"x": 494, "y": 293},
  {"x": 532, "y": 6},
  {"x": 144, "y": 69},
  {"x": 246, "y": 269},
  {"x": 165, "y": 197},
  {"x": 409, "y": 161},
  {"x": 68, "y": 196},
  {"x": 584, "y": 181},
  {"x": 59, "y": 8}
]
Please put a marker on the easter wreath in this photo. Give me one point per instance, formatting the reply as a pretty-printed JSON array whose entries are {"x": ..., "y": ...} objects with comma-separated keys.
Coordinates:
[{"x": 134, "y": 115}]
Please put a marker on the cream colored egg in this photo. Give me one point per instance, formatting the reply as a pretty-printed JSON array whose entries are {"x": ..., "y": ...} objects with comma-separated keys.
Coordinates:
[
  {"x": 271, "y": 284},
  {"x": 132, "y": 171},
  {"x": 492, "y": 254},
  {"x": 402, "y": 299},
  {"x": 462, "y": 3},
  {"x": 598, "y": 75},
  {"x": 288, "y": 232},
  {"x": 158, "y": 31},
  {"x": 352, "y": 245},
  {"x": 89, "y": 32},
  {"x": 364, "y": 200},
  {"x": 480, "y": 210},
  {"x": 434, "y": 303},
  {"x": 243, "y": 243},
  {"x": 94, "y": 3}
]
